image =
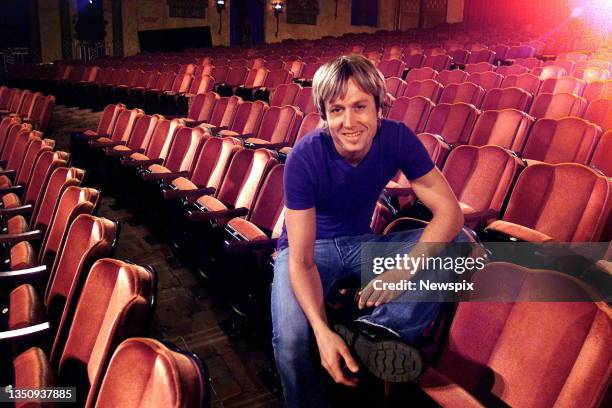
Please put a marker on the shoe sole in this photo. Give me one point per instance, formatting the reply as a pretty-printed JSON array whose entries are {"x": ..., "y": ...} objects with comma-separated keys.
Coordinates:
[{"x": 389, "y": 360}]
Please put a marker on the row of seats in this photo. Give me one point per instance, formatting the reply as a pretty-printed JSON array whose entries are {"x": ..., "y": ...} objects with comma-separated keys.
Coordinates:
[
  {"x": 554, "y": 104},
  {"x": 567, "y": 139},
  {"x": 67, "y": 305},
  {"x": 508, "y": 76},
  {"x": 30, "y": 107}
]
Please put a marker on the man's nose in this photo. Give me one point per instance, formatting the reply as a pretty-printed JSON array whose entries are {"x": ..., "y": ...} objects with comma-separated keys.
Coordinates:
[{"x": 348, "y": 118}]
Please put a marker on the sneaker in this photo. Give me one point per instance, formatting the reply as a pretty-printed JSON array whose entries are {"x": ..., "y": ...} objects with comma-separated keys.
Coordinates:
[{"x": 388, "y": 359}]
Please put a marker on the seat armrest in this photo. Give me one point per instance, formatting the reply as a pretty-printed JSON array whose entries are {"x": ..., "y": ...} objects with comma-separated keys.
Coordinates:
[
  {"x": 252, "y": 145},
  {"x": 193, "y": 123},
  {"x": 196, "y": 215},
  {"x": 481, "y": 216},
  {"x": 21, "y": 274},
  {"x": 24, "y": 236},
  {"x": 18, "y": 189},
  {"x": 198, "y": 192},
  {"x": 244, "y": 136},
  {"x": 24, "y": 334},
  {"x": 136, "y": 163},
  {"x": 217, "y": 129},
  {"x": 83, "y": 136},
  {"x": 21, "y": 210},
  {"x": 118, "y": 153},
  {"x": 8, "y": 173},
  {"x": 237, "y": 247},
  {"x": 165, "y": 176},
  {"x": 95, "y": 143}
]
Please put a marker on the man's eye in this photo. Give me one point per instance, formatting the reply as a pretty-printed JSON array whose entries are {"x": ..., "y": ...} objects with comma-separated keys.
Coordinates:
[
  {"x": 335, "y": 110},
  {"x": 361, "y": 107}
]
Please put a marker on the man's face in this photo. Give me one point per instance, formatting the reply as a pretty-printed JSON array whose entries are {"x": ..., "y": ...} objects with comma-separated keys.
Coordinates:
[{"x": 352, "y": 122}]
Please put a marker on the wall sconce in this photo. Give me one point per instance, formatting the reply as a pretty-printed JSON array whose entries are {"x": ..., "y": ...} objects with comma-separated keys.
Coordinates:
[
  {"x": 277, "y": 6},
  {"x": 220, "y": 7}
]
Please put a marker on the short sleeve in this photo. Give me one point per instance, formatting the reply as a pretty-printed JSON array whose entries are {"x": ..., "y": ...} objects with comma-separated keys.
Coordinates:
[
  {"x": 413, "y": 158},
  {"x": 299, "y": 182}
]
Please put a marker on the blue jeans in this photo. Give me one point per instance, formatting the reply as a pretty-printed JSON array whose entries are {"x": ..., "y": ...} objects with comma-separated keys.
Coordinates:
[{"x": 337, "y": 258}]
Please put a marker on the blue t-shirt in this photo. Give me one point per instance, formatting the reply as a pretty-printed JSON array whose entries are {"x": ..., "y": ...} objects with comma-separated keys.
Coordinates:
[{"x": 345, "y": 196}]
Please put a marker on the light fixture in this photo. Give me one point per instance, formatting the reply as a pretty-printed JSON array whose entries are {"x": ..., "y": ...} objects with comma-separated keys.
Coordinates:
[
  {"x": 220, "y": 7},
  {"x": 277, "y": 6}
]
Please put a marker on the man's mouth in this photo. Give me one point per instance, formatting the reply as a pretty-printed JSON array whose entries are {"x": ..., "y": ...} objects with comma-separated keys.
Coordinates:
[{"x": 352, "y": 136}]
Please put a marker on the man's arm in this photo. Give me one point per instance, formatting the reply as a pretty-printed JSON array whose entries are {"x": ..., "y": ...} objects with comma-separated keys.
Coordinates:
[
  {"x": 435, "y": 193},
  {"x": 306, "y": 284}
]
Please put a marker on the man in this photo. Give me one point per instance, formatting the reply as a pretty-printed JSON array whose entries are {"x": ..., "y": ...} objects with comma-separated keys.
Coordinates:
[{"x": 333, "y": 178}]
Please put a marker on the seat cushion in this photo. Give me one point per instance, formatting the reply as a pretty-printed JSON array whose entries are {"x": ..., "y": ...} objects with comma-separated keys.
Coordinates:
[
  {"x": 257, "y": 141},
  {"x": 11, "y": 200},
  {"x": 247, "y": 229},
  {"x": 444, "y": 391},
  {"x": 5, "y": 182},
  {"x": 211, "y": 203},
  {"x": 519, "y": 231},
  {"x": 138, "y": 156},
  {"x": 26, "y": 308},
  {"x": 32, "y": 370},
  {"x": 158, "y": 168},
  {"x": 183, "y": 183},
  {"x": 90, "y": 133},
  {"x": 228, "y": 133},
  {"x": 17, "y": 225},
  {"x": 22, "y": 256}
]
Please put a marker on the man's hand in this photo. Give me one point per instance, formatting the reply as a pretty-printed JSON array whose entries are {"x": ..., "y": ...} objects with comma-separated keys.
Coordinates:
[
  {"x": 370, "y": 297},
  {"x": 334, "y": 353}
]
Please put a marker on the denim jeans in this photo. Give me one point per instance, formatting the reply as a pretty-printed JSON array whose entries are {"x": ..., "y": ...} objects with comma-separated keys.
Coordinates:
[{"x": 337, "y": 258}]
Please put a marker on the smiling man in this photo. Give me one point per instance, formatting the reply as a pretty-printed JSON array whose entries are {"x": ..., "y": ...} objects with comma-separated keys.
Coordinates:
[{"x": 333, "y": 178}]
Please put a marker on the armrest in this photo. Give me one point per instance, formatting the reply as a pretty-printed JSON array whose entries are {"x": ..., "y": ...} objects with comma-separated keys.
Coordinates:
[
  {"x": 398, "y": 191},
  {"x": 195, "y": 215},
  {"x": 244, "y": 136},
  {"x": 118, "y": 153},
  {"x": 20, "y": 335},
  {"x": 24, "y": 236},
  {"x": 193, "y": 123},
  {"x": 8, "y": 173},
  {"x": 217, "y": 129},
  {"x": 12, "y": 189},
  {"x": 265, "y": 145},
  {"x": 480, "y": 216},
  {"x": 29, "y": 273},
  {"x": 83, "y": 136},
  {"x": 198, "y": 192},
  {"x": 21, "y": 210},
  {"x": 95, "y": 143},
  {"x": 165, "y": 176},
  {"x": 136, "y": 163},
  {"x": 236, "y": 247}
]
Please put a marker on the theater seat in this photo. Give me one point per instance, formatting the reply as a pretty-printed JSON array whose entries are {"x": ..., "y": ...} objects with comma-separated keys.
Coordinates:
[
  {"x": 507, "y": 128},
  {"x": 526, "y": 82},
  {"x": 481, "y": 178},
  {"x": 567, "y": 140},
  {"x": 603, "y": 151},
  {"x": 428, "y": 88},
  {"x": 455, "y": 76},
  {"x": 556, "y": 106},
  {"x": 61, "y": 270},
  {"x": 506, "y": 98},
  {"x": 562, "y": 202},
  {"x": 571, "y": 356},
  {"x": 160, "y": 375},
  {"x": 453, "y": 122},
  {"x": 486, "y": 80},
  {"x": 413, "y": 112},
  {"x": 116, "y": 303},
  {"x": 278, "y": 128},
  {"x": 599, "y": 112},
  {"x": 466, "y": 92}
]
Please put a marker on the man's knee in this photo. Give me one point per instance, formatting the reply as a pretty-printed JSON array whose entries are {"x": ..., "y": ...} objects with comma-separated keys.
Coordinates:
[{"x": 291, "y": 346}]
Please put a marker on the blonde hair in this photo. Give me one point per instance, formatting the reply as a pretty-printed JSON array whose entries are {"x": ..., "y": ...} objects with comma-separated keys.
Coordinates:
[{"x": 330, "y": 81}]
